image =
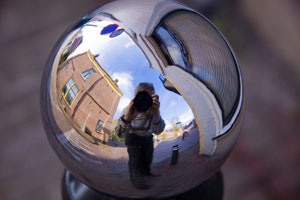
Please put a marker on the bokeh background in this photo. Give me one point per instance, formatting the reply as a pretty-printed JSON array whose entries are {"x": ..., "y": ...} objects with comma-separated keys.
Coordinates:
[{"x": 265, "y": 35}]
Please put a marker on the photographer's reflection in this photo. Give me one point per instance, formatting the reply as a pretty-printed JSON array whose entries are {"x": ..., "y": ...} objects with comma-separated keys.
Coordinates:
[{"x": 138, "y": 121}]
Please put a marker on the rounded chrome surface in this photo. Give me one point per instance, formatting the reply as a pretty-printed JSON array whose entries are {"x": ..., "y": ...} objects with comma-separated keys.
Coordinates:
[{"x": 91, "y": 77}]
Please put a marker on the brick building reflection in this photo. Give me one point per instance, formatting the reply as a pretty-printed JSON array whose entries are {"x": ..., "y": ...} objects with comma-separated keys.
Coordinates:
[{"x": 88, "y": 95}]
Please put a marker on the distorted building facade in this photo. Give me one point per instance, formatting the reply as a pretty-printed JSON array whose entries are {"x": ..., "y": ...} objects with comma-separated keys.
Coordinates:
[{"x": 88, "y": 95}]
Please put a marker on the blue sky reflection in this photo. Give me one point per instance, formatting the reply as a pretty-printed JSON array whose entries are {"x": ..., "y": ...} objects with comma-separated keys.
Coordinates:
[{"x": 122, "y": 59}]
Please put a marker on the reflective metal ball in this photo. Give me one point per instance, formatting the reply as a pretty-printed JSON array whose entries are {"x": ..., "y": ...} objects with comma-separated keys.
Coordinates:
[{"x": 90, "y": 81}]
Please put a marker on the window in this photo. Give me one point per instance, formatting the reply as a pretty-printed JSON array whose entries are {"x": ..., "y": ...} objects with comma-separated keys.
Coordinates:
[
  {"x": 68, "y": 85},
  {"x": 88, "y": 131},
  {"x": 99, "y": 126},
  {"x": 190, "y": 42},
  {"x": 87, "y": 73},
  {"x": 173, "y": 46},
  {"x": 69, "y": 91}
]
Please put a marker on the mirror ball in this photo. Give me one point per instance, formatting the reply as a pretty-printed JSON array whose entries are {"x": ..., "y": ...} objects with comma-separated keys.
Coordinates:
[{"x": 192, "y": 99}]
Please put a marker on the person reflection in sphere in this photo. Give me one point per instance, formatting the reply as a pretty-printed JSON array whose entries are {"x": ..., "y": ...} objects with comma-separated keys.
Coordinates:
[{"x": 137, "y": 124}]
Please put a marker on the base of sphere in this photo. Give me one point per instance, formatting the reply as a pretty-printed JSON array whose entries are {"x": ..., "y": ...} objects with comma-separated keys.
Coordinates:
[{"x": 74, "y": 189}]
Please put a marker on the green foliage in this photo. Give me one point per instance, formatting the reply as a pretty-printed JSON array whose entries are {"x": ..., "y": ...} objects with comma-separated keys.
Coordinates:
[
  {"x": 115, "y": 137},
  {"x": 162, "y": 136}
]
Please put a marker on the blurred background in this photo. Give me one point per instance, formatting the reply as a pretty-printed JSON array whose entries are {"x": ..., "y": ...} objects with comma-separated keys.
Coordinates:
[{"x": 265, "y": 36}]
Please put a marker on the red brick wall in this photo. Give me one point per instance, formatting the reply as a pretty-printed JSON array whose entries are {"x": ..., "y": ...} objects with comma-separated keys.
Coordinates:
[{"x": 96, "y": 99}]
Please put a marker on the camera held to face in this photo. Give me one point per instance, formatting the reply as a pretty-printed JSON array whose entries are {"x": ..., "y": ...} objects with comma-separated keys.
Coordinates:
[{"x": 142, "y": 101}]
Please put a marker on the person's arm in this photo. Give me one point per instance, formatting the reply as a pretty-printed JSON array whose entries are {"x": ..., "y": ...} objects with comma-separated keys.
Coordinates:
[
  {"x": 123, "y": 126},
  {"x": 158, "y": 124}
]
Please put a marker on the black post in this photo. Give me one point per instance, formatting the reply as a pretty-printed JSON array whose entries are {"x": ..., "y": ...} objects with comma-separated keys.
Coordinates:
[
  {"x": 74, "y": 189},
  {"x": 174, "y": 158}
]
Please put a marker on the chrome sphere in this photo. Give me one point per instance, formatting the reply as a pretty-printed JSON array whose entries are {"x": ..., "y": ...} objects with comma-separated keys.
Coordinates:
[{"x": 90, "y": 80}]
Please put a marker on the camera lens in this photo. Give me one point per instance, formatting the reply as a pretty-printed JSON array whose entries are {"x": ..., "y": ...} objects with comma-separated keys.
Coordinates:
[{"x": 142, "y": 101}]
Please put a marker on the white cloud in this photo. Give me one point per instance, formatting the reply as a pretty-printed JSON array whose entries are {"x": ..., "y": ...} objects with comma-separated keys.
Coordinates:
[
  {"x": 124, "y": 82},
  {"x": 129, "y": 44},
  {"x": 88, "y": 42},
  {"x": 186, "y": 117},
  {"x": 172, "y": 103},
  {"x": 124, "y": 101},
  {"x": 169, "y": 125}
]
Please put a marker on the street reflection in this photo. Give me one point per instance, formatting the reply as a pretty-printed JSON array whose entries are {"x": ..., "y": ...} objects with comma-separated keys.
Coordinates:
[
  {"x": 94, "y": 87},
  {"x": 90, "y": 80}
]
